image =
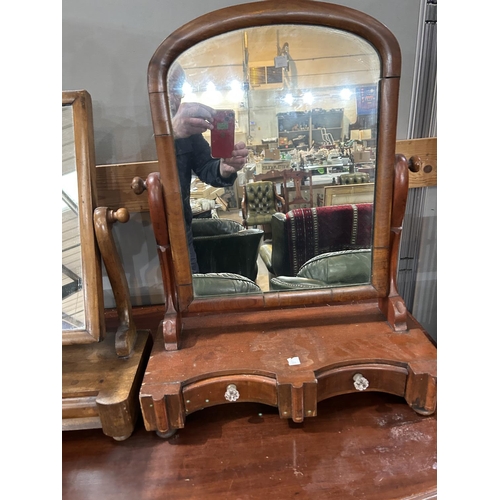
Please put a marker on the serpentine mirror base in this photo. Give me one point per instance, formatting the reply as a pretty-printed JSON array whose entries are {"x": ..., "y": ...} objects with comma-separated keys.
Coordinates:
[{"x": 294, "y": 363}]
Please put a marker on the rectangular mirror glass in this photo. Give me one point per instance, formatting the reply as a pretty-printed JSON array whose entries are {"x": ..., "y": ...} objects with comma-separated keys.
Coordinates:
[
  {"x": 82, "y": 302},
  {"x": 73, "y": 313}
]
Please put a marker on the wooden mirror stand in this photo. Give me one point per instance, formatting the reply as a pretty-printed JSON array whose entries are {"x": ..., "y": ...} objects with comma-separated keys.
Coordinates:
[
  {"x": 289, "y": 350},
  {"x": 101, "y": 370},
  {"x": 100, "y": 381}
]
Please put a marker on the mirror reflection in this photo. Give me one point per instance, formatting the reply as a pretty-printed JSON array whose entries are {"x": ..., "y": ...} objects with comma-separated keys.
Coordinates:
[
  {"x": 291, "y": 206},
  {"x": 73, "y": 311}
]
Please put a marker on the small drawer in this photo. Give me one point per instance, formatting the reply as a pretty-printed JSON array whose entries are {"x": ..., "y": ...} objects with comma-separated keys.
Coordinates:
[
  {"x": 363, "y": 377},
  {"x": 229, "y": 389}
]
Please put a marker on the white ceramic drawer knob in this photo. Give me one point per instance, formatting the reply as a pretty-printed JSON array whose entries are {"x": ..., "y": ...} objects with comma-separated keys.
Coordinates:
[
  {"x": 360, "y": 382},
  {"x": 232, "y": 393}
]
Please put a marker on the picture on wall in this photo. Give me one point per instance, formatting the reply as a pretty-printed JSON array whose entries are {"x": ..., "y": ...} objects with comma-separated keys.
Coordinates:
[{"x": 366, "y": 98}]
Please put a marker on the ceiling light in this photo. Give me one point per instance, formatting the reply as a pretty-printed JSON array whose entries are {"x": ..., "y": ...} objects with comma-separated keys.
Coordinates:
[
  {"x": 236, "y": 92},
  {"x": 345, "y": 94},
  {"x": 211, "y": 96},
  {"x": 308, "y": 98}
]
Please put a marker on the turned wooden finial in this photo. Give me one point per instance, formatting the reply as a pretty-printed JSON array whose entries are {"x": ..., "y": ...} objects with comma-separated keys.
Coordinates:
[
  {"x": 138, "y": 185},
  {"x": 415, "y": 163},
  {"x": 120, "y": 215}
]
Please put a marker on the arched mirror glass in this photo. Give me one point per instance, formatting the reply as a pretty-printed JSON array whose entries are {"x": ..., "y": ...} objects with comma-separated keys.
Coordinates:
[{"x": 305, "y": 100}]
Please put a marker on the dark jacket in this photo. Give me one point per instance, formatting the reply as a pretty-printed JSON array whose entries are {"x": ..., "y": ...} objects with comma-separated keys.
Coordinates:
[{"x": 193, "y": 155}]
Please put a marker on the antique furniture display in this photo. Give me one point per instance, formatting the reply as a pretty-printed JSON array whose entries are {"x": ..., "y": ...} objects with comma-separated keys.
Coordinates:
[
  {"x": 209, "y": 284},
  {"x": 294, "y": 183},
  {"x": 101, "y": 371},
  {"x": 290, "y": 349}
]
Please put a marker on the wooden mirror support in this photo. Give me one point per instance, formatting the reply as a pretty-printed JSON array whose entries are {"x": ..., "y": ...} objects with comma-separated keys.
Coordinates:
[
  {"x": 126, "y": 334},
  {"x": 170, "y": 326},
  {"x": 285, "y": 349},
  {"x": 100, "y": 381}
]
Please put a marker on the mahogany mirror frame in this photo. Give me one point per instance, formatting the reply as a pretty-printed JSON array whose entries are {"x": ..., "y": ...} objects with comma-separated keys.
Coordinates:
[
  {"x": 94, "y": 329},
  {"x": 264, "y": 13}
]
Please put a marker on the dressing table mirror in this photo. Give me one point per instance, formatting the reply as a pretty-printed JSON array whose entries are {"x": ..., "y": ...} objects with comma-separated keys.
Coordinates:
[{"x": 294, "y": 347}]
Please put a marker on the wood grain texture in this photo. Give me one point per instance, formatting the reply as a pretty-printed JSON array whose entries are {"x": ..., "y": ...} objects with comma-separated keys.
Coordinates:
[
  {"x": 362, "y": 445},
  {"x": 99, "y": 389},
  {"x": 114, "y": 185},
  {"x": 126, "y": 333},
  {"x": 254, "y": 355},
  {"x": 370, "y": 446}
]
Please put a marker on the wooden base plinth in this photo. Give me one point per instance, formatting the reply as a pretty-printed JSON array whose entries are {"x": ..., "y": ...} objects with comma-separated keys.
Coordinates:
[
  {"x": 99, "y": 389},
  {"x": 291, "y": 365}
]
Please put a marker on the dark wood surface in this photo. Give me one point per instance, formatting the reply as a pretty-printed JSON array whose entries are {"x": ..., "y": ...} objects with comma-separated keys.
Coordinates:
[
  {"x": 362, "y": 445},
  {"x": 369, "y": 445}
]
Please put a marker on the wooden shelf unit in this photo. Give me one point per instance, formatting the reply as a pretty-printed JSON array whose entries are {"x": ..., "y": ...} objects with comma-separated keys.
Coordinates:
[{"x": 295, "y": 124}]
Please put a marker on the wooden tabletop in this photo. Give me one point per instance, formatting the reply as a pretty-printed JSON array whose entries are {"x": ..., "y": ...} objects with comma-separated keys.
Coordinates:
[{"x": 370, "y": 446}]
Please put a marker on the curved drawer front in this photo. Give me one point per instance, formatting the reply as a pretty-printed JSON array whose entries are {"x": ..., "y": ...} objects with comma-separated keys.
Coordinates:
[
  {"x": 363, "y": 377},
  {"x": 229, "y": 388}
]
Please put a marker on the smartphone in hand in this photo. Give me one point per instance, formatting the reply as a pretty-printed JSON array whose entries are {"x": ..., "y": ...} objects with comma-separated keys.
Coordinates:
[{"x": 222, "y": 135}]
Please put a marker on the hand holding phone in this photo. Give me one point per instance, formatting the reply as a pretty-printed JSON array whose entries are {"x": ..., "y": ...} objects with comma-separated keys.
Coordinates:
[{"x": 222, "y": 135}]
